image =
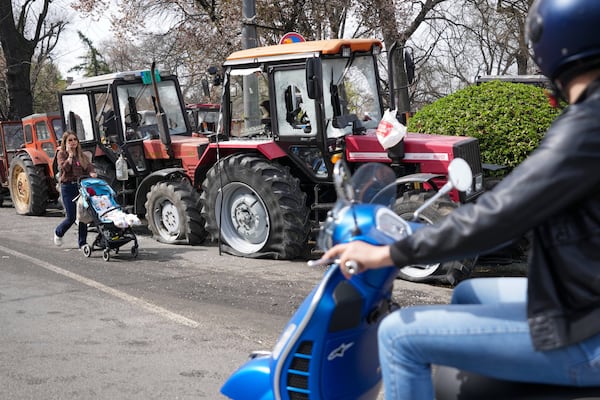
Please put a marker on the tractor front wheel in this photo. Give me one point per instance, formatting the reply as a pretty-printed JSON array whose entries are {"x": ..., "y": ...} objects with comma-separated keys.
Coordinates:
[
  {"x": 28, "y": 186},
  {"x": 257, "y": 208},
  {"x": 172, "y": 213}
]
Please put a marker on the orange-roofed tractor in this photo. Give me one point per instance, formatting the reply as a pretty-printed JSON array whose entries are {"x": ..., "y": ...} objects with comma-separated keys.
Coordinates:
[
  {"x": 32, "y": 169},
  {"x": 289, "y": 112}
]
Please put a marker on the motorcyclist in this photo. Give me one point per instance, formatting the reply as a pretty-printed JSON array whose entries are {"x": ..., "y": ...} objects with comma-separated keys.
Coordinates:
[{"x": 544, "y": 328}]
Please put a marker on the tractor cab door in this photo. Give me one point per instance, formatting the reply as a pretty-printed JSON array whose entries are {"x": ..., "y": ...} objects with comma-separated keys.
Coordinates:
[
  {"x": 90, "y": 114},
  {"x": 76, "y": 109},
  {"x": 296, "y": 120},
  {"x": 295, "y": 113},
  {"x": 78, "y": 113},
  {"x": 249, "y": 106}
]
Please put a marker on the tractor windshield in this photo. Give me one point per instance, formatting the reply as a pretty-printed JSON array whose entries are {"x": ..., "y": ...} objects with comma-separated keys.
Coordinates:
[
  {"x": 351, "y": 95},
  {"x": 13, "y": 135},
  {"x": 138, "y": 106}
]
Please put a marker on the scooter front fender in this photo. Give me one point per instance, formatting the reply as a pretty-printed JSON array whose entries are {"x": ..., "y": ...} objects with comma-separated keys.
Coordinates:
[{"x": 252, "y": 381}]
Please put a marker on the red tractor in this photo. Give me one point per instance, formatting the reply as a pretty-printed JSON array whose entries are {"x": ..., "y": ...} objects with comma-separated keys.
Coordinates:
[
  {"x": 32, "y": 173},
  {"x": 289, "y": 112}
]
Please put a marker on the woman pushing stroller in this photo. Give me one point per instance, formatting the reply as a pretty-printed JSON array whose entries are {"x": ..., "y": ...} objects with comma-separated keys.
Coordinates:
[{"x": 73, "y": 164}]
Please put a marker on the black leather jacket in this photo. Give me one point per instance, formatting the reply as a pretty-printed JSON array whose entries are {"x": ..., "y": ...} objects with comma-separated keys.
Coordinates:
[{"x": 555, "y": 194}]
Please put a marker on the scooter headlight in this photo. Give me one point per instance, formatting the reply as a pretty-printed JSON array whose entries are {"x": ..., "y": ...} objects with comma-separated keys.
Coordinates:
[{"x": 391, "y": 224}]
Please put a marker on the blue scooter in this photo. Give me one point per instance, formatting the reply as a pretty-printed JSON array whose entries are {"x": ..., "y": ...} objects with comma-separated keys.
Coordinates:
[{"x": 328, "y": 349}]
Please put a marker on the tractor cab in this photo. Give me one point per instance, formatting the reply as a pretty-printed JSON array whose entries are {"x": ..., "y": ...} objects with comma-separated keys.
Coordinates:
[
  {"x": 305, "y": 96},
  {"x": 138, "y": 114},
  {"x": 43, "y": 134},
  {"x": 203, "y": 117},
  {"x": 289, "y": 112}
]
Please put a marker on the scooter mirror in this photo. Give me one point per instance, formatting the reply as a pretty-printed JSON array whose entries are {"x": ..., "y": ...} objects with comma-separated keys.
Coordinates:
[
  {"x": 343, "y": 181},
  {"x": 460, "y": 177},
  {"x": 460, "y": 174}
]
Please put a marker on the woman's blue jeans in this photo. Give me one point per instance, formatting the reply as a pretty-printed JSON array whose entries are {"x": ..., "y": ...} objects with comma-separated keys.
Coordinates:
[
  {"x": 485, "y": 331},
  {"x": 69, "y": 191}
]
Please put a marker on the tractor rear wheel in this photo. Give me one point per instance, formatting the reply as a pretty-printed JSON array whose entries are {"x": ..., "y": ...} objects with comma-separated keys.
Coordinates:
[
  {"x": 258, "y": 206},
  {"x": 173, "y": 215},
  {"x": 450, "y": 272},
  {"x": 28, "y": 186}
]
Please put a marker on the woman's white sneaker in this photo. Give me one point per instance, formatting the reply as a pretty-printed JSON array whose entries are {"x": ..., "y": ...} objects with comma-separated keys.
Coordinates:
[{"x": 57, "y": 240}]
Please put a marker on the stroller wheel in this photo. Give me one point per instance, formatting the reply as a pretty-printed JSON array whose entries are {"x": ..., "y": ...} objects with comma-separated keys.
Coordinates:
[
  {"x": 134, "y": 251},
  {"x": 106, "y": 255},
  {"x": 87, "y": 250}
]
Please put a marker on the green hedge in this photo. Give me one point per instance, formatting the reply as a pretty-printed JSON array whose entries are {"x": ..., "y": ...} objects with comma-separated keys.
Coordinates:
[{"x": 509, "y": 119}]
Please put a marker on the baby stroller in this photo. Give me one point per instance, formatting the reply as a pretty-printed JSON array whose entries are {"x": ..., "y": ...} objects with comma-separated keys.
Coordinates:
[{"x": 107, "y": 217}]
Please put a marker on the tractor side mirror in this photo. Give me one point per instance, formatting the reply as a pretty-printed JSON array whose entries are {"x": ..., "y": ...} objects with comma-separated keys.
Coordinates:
[
  {"x": 401, "y": 74},
  {"x": 409, "y": 65},
  {"x": 214, "y": 72},
  {"x": 314, "y": 78}
]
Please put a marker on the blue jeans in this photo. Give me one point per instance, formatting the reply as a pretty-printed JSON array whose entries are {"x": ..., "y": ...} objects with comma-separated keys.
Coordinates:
[
  {"x": 485, "y": 331},
  {"x": 69, "y": 191}
]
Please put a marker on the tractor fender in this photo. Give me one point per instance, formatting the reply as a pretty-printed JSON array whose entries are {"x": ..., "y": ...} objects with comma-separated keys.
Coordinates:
[
  {"x": 38, "y": 157},
  {"x": 420, "y": 178},
  {"x": 268, "y": 148},
  {"x": 166, "y": 174},
  {"x": 434, "y": 181}
]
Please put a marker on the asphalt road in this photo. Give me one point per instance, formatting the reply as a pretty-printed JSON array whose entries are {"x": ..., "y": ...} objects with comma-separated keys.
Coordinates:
[{"x": 171, "y": 324}]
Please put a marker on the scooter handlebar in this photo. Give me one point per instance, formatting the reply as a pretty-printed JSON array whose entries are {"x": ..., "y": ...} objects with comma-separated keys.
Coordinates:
[
  {"x": 351, "y": 266},
  {"x": 322, "y": 262}
]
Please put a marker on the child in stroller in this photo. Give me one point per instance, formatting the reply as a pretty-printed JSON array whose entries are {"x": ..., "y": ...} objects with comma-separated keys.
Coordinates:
[{"x": 108, "y": 218}]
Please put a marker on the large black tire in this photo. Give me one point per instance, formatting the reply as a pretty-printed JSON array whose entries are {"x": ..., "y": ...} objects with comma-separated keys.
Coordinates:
[
  {"x": 264, "y": 210},
  {"x": 446, "y": 273},
  {"x": 28, "y": 186},
  {"x": 173, "y": 215}
]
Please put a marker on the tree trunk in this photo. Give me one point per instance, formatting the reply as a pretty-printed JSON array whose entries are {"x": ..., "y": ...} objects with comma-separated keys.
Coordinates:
[{"x": 18, "y": 52}]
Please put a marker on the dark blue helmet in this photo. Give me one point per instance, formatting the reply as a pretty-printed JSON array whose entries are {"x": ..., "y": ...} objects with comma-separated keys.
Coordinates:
[{"x": 564, "y": 34}]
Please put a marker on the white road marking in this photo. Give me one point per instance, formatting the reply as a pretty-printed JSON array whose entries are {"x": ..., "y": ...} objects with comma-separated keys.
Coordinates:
[{"x": 163, "y": 312}]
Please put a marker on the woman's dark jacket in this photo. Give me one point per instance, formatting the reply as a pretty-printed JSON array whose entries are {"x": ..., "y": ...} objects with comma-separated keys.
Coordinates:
[{"x": 555, "y": 194}]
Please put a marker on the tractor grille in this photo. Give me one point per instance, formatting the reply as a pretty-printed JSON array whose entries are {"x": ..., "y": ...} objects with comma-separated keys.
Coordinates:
[
  {"x": 470, "y": 152},
  {"x": 297, "y": 374}
]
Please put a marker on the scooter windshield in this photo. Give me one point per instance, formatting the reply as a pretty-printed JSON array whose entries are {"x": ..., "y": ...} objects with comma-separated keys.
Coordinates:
[{"x": 374, "y": 183}]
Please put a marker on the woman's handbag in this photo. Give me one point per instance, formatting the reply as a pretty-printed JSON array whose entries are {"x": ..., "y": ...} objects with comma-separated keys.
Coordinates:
[{"x": 84, "y": 214}]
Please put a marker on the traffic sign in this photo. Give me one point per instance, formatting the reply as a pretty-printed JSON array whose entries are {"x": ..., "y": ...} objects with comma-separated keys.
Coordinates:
[{"x": 292, "y": 37}]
